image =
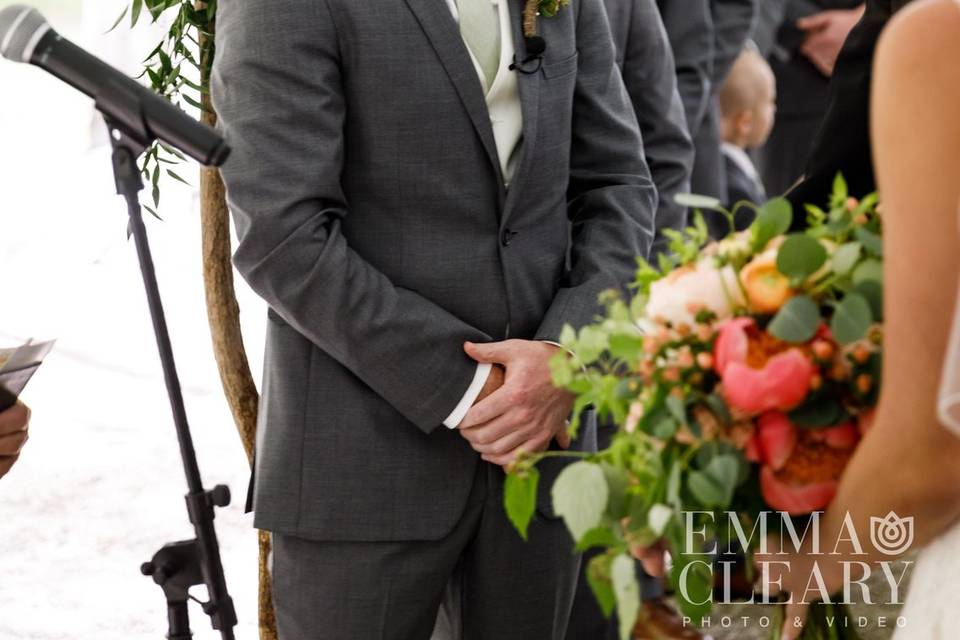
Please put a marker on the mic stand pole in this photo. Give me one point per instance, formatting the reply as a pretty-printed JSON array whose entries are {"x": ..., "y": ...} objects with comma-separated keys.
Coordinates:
[{"x": 179, "y": 565}]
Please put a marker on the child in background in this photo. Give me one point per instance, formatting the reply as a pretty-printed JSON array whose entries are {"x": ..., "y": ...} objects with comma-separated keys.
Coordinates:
[{"x": 747, "y": 109}]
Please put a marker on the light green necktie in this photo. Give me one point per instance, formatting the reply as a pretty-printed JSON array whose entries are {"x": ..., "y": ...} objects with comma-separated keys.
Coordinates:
[{"x": 480, "y": 28}]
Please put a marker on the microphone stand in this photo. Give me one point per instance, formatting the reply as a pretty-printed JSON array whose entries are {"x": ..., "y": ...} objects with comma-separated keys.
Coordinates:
[{"x": 177, "y": 566}]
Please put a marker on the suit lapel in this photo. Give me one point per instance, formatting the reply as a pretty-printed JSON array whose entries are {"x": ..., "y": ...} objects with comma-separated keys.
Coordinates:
[
  {"x": 529, "y": 105},
  {"x": 437, "y": 22}
]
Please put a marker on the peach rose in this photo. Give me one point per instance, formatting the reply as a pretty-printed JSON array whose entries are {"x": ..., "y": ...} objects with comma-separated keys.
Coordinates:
[
  {"x": 702, "y": 286},
  {"x": 767, "y": 288}
]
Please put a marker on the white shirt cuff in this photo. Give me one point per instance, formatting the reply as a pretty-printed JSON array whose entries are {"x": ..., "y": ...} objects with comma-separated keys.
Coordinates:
[{"x": 473, "y": 391}]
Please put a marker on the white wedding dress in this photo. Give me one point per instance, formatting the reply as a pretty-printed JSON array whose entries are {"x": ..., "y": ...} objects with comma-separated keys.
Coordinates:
[{"x": 932, "y": 610}]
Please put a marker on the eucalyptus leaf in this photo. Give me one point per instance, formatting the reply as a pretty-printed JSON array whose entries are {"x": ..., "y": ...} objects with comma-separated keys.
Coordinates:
[
  {"x": 871, "y": 241},
  {"x": 520, "y": 499},
  {"x": 624, "y": 578},
  {"x": 773, "y": 219},
  {"x": 870, "y": 269},
  {"x": 845, "y": 258},
  {"x": 797, "y": 321},
  {"x": 800, "y": 256},
  {"x": 658, "y": 518},
  {"x": 580, "y": 494},
  {"x": 851, "y": 319},
  {"x": 715, "y": 484},
  {"x": 694, "y": 201},
  {"x": 873, "y": 292}
]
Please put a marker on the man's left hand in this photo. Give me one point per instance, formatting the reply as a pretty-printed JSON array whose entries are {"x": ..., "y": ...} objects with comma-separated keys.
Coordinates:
[
  {"x": 826, "y": 32},
  {"x": 527, "y": 412}
]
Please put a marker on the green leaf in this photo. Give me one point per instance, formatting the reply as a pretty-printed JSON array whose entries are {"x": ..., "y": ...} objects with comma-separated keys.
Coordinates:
[
  {"x": 520, "y": 499},
  {"x": 714, "y": 485},
  {"x": 840, "y": 191},
  {"x": 617, "y": 482},
  {"x": 624, "y": 578},
  {"x": 597, "y": 537},
  {"x": 698, "y": 584},
  {"x": 773, "y": 219},
  {"x": 694, "y": 201},
  {"x": 797, "y": 321},
  {"x": 580, "y": 496},
  {"x": 598, "y": 577},
  {"x": 119, "y": 19},
  {"x": 819, "y": 410},
  {"x": 176, "y": 177},
  {"x": 677, "y": 408},
  {"x": 135, "y": 12},
  {"x": 871, "y": 241},
  {"x": 868, "y": 270},
  {"x": 592, "y": 343},
  {"x": 719, "y": 407},
  {"x": 800, "y": 256},
  {"x": 846, "y": 257},
  {"x": 873, "y": 292},
  {"x": 658, "y": 517},
  {"x": 626, "y": 347},
  {"x": 851, "y": 319}
]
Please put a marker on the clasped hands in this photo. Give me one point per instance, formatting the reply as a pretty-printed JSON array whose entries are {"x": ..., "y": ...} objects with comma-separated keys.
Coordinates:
[
  {"x": 519, "y": 408},
  {"x": 13, "y": 435}
]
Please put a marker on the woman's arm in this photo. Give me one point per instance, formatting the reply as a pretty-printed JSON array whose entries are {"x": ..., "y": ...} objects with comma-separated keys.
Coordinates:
[{"x": 909, "y": 463}]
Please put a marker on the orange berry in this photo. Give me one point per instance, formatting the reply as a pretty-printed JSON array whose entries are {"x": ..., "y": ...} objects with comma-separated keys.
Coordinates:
[
  {"x": 816, "y": 381},
  {"x": 864, "y": 382},
  {"x": 823, "y": 349},
  {"x": 671, "y": 374},
  {"x": 852, "y": 204},
  {"x": 705, "y": 360},
  {"x": 861, "y": 354}
]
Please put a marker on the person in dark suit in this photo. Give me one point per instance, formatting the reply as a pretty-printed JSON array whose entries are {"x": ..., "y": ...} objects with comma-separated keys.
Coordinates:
[
  {"x": 689, "y": 27},
  {"x": 731, "y": 25},
  {"x": 843, "y": 141},
  {"x": 802, "y": 39},
  {"x": 747, "y": 108},
  {"x": 651, "y": 75}
]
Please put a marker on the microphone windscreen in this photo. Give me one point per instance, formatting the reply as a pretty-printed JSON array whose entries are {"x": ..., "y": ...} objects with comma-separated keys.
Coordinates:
[{"x": 21, "y": 28}]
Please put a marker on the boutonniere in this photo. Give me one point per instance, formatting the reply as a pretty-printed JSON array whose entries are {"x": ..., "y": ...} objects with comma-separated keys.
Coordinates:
[{"x": 532, "y": 10}]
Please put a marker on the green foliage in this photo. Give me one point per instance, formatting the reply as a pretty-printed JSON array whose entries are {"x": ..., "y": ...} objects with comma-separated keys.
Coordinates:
[
  {"x": 800, "y": 257},
  {"x": 580, "y": 496},
  {"x": 851, "y": 319},
  {"x": 627, "y": 591},
  {"x": 773, "y": 219},
  {"x": 178, "y": 68},
  {"x": 797, "y": 321},
  {"x": 520, "y": 498}
]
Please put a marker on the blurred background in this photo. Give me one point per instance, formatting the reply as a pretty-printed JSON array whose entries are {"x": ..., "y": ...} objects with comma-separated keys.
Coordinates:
[{"x": 100, "y": 487}]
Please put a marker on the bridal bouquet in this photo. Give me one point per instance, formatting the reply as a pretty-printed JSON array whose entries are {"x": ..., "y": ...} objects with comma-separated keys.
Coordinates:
[{"x": 741, "y": 376}]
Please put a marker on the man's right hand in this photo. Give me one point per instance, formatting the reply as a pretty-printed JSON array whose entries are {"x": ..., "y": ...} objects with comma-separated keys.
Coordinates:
[{"x": 13, "y": 434}]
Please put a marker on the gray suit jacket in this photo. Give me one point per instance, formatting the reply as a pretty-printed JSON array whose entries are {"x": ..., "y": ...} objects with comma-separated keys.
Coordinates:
[
  {"x": 649, "y": 72},
  {"x": 689, "y": 26},
  {"x": 373, "y": 219}
]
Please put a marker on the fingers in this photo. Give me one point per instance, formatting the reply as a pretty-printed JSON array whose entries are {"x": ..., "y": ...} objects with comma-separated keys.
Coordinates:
[
  {"x": 814, "y": 22},
  {"x": 491, "y": 352},
  {"x": 481, "y": 438},
  {"x": 563, "y": 438},
  {"x": 6, "y": 463},
  {"x": 12, "y": 443},
  {"x": 14, "y": 419},
  {"x": 493, "y": 406},
  {"x": 534, "y": 445}
]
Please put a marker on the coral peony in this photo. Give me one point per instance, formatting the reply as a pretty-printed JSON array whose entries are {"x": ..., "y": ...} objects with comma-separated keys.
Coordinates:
[
  {"x": 759, "y": 373},
  {"x": 776, "y": 437},
  {"x": 702, "y": 286}
]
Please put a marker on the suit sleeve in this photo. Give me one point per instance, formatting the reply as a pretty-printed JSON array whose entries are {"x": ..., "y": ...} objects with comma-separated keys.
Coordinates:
[
  {"x": 733, "y": 24},
  {"x": 277, "y": 88},
  {"x": 612, "y": 197},
  {"x": 649, "y": 73},
  {"x": 689, "y": 26}
]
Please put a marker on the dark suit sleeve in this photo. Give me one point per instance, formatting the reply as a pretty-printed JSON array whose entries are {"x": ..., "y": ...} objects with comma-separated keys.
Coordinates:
[
  {"x": 649, "y": 72},
  {"x": 733, "y": 23},
  {"x": 772, "y": 16},
  {"x": 843, "y": 143},
  {"x": 612, "y": 197},
  {"x": 277, "y": 89},
  {"x": 689, "y": 28}
]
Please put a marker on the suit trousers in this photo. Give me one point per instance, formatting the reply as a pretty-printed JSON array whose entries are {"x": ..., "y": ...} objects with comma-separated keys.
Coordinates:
[{"x": 392, "y": 590}]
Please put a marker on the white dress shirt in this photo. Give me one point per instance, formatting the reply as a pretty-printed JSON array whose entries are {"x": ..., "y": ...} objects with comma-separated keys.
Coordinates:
[{"x": 506, "y": 118}]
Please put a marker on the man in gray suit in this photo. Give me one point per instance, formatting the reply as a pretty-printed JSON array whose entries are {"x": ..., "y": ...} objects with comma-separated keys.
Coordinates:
[{"x": 401, "y": 197}]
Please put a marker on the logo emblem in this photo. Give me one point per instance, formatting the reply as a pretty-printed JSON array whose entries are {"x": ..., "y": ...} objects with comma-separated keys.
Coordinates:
[{"x": 891, "y": 535}]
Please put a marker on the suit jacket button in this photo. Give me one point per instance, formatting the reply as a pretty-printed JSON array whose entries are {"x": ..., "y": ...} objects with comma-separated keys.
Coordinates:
[{"x": 506, "y": 237}]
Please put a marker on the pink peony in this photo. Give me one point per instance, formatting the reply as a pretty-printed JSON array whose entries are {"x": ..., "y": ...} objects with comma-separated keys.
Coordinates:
[
  {"x": 755, "y": 380},
  {"x": 795, "y": 499},
  {"x": 702, "y": 286}
]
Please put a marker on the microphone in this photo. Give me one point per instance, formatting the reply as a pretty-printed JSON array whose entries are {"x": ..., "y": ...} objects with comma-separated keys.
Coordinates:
[{"x": 26, "y": 36}]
